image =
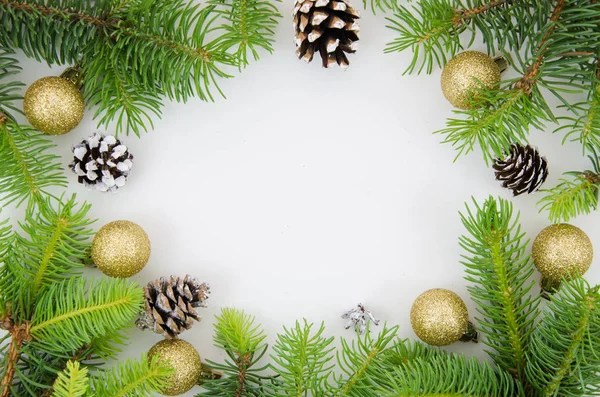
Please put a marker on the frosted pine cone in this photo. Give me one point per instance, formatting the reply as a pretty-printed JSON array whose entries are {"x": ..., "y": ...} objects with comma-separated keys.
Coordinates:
[
  {"x": 170, "y": 305},
  {"x": 328, "y": 27},
  {"x": 523, "y": 170},
  {"x": 101, "y": 162}
]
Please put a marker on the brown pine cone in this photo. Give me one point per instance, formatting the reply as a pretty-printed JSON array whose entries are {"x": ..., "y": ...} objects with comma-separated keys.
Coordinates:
[{"x": 170, "y": 305}]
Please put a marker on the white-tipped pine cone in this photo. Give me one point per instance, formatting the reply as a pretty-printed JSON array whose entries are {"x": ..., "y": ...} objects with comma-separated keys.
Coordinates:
[
  {"x": 328, "y": 27},
  {"x": 101, "y": 162},
  {"x": 523, "y": 170}
]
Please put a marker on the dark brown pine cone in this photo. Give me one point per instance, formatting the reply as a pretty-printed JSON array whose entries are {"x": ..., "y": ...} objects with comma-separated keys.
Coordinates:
[
  {"x": 328, "y": 27},
  {"x": 523, "y": 170},
  {"x": 170, "y": 305}
]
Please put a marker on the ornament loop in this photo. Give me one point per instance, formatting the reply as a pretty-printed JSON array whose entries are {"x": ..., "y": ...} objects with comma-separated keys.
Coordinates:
[
  {"x": 471, "y": 334},
  {"x": 73, "y": 75},
  {"x": 502, "y": 63}
]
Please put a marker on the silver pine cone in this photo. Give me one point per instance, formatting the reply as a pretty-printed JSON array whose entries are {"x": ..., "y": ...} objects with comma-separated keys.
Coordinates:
[
  {"x": 170, "y": 305},
  {"x": 523, "y": 170},
  {"x": 328, "y": 27}
]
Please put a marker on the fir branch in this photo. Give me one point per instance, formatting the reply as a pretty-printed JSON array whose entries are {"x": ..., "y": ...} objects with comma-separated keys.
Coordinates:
[
  {"x": 27, "y": 169},
  {"x": 57, "y": 241},
  {"x": 134, "y": 378},
  {"x": 243, "y": 342},
  {"x": 359, "y": 362},
  {"x": 497, "y": 119},
  {"x": 432, "y": 28},
  {"x": 135, "y": 53},
  {"x": 52, "y": 248},
  {"x": 431, "y": 34},
  {"x": 250, "y": 25},
  {"x": 302, "y": 360},
  {"x": 72, "y": 382},
  {"x": 446, "y": 376},
  {"x": 72, "y": 313},
  {"x": 498, "y": 267},
  {"x": 584, "y": 125},
  {"x": 575, "y": 195},
  {"x": 9, "y": 91},
  {"x": 564, "y": 357},
  {"x": 117, "y": 98}
]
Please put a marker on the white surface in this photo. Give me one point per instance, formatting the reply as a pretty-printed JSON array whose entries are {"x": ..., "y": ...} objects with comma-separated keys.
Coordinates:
[{"x": 309, "y": 190}]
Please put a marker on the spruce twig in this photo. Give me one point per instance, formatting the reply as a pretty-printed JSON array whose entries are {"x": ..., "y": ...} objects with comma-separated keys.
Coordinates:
[
  {"x": 576, "y": 193},
  {"x": 499, "y": 269},
  {"x": 564, "y": 358},
  {"x": 134, "y": 54},
  {"x": 243, "y": 342}
]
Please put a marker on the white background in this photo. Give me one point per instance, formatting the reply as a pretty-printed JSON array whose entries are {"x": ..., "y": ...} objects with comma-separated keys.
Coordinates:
[{"x": 309, "y": 190}]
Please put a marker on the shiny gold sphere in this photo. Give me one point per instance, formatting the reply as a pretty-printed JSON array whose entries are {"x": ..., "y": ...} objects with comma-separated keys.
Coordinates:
[
  {"x": 120, "y": 249},
  {"x": 53, "y": 105},
  {"x": 184, "y": 360},
  {"x": 439, "y": 317},
  {"x": 465, "y": 72},
  {"x": 562, "y": 250}
]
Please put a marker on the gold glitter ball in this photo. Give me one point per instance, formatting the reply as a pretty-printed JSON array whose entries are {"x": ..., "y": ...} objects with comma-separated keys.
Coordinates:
[
  {"x": 466, "y": 71},
  {"x": 53, "y": 105},
  {"x": 184, "y": 360},
  {"x": 562, "y": 250},
  {"x": 439, "y": 317},
  {"x": 120, "y": 249}
]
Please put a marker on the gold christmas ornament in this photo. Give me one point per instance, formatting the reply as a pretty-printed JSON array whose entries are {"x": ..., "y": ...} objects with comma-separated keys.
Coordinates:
[
  {"x": 120, "y": 249},
  {"x": 439, "y": 317},
  {"x": 54, "y": 105},
  {"x": 561, "y": 251},
  {"x": 184, "y": 360},
  {"x": 467, "y": 71}
]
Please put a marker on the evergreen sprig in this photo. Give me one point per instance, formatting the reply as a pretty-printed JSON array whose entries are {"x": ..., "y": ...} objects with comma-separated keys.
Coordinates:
[
  {"x": 51, "y": 248},
  {"x": 500, "y": 271},
  {"x": 28, "y": 169},
  {"x": 9, "y": 91},
  {"x": 250, "y": 26},
  {"x": 565, "y": 348},
  {"x": 133, "y": 378},
  {"x": 575, "y": 194},
  {"x": 134, "y": 53},
  {"x": 72, "y": 382},
  {"x": 71, "y": 313},
  {"x": 359, "y": 361},
  {"x": 446, "y": 375},
  {"x": 302, "y": 360},
  {"x": 243, "y": 342}
]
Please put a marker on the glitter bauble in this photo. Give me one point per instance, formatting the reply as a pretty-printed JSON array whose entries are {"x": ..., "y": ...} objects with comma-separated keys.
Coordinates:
[
  {"x": 53, "y": 105},
  {"x": 439, "y": 317},
  {"x": 120, "y": 249},
  {"x": 184, "y": 360},
  {"x": 562, "y": 250},
  {"x": 467, "y": 71}
]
